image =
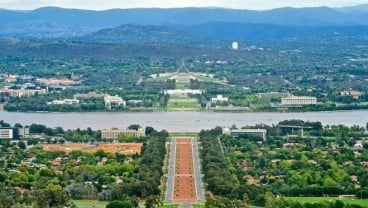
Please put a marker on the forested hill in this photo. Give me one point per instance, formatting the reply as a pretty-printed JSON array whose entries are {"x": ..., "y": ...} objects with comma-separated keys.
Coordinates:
[
  {"x": 217, "y": 34},
  {"x": 148, "y": 34},
  {"x": 75, "y": 50},
  {"x": 260, "y": 32}
]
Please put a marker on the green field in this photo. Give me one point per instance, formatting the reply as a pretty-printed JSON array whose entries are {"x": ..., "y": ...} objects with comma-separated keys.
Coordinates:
[
  {"x": 182, "y": 85},
  {"x": 208, "y": 79},
  {"x": 169, "y": 206},
  {"x": 90, "y": 203},
  {"x": 183, "y": 134},
  {"x": 159, "y": 79},
  {"x": 183, "y": 104},
  {"x": 362, "y": 202}
]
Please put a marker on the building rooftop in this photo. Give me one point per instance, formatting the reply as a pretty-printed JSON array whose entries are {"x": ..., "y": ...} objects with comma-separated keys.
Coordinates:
[{"x": 249, "y": 130}]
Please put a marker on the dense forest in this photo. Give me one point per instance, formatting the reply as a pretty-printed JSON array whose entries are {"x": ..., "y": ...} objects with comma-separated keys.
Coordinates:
[
  {"x": 31, "y": 175},
  {"x": 326, "y": 161}
]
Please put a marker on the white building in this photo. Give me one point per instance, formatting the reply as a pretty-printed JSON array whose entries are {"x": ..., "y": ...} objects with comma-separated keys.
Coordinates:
[
  {"x": 183, "y": 92},
  {"x": 297, "y": 101},
  {"x": 274, "y": 94},
  {"x": 358, "y": 145},
  {"x": 64, "y": 102},
  {"x": 238, "y": 132},
  {"x": 22, "y": 92},
  {"x": 6, "y": 133},
  {"x": 23, "y": 132},
  {"x": 235, "y": 45},
  {"x": 219, "y": 99},
  {"x": 113, "y": 101},
  {"x": 114, "y": 133}
]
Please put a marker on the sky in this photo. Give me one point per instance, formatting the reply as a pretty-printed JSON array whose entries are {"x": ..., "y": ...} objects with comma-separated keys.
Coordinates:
[{"x": 236, "y": 4}]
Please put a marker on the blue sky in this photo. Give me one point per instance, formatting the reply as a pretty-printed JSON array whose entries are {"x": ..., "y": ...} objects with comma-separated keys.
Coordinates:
[{"x": 238, "y": 4}]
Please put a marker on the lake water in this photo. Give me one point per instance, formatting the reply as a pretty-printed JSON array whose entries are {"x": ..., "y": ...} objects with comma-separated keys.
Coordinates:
[{"x": 178, "y": 121}]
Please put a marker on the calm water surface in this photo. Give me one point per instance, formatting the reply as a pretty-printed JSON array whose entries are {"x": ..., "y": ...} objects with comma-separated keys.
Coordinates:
[{"x": 178, "y": 121}]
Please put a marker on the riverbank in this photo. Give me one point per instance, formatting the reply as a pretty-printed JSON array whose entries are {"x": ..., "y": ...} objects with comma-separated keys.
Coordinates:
[{"x": 193, "y": 107}]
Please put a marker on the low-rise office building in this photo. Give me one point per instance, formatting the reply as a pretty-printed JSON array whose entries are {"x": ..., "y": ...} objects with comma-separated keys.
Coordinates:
[
  {"x": 22, "y": 92},
  {"x": 8, "y": 133},
  {"x": 115, "y": 133},
  {"x": 219, "y": 99},
  {"x": 262, "y": 133},
  {"x": 23, "y": 132},
  {"x": 298, "y": 100},
  {"x": 182, "y": 92},
  {"x": 64, "y": 102},
  {"x": 113, "y": 101},
  {"x": 274, "y": 95},
  {"x": 353, "y": 93}
]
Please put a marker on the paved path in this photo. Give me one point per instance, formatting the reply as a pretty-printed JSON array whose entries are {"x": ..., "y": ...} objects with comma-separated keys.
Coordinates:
[
  {"x": 199, "y": 191},
  {"x": 197, "y": 172}
]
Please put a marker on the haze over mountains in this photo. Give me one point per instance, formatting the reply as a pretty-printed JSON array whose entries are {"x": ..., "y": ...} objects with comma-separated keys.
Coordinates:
[{"x": 182, "y": 25}]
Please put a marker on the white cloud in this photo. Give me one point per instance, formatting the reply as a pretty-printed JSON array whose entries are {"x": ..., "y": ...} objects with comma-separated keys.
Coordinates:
[{"x": 238, "y": 4}]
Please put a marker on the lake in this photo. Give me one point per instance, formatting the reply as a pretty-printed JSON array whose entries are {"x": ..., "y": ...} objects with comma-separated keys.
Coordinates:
[{"x": 178, "y": 121}]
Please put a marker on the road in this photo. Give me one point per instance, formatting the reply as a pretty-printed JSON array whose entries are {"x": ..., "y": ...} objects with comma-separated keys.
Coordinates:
[
  {"x": 197, "y": 172},
  {"x": 171, "y": 173}
]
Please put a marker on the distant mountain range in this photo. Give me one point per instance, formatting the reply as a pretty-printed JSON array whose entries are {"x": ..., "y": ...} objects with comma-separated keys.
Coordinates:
[
  {"x": 360, "y": 8},
  {"x": 182, "y": 25}
]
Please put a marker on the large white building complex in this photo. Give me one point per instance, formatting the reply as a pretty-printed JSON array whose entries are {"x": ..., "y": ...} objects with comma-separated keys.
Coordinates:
[
  {"x": 113, "y": 101},
  {"x": 114, "y": 133},
  {"x": 219, "y": 98},
  {"x": 183, "y": 92},
  {"x": 22, "y": 92},
  {"x": 262, "y": 133},
  {"x": 296, "y": 101},
  {"x": 274, "y": 94},
  {"x": 64, "y": 102},
  {"x": 6, "y": 133}
]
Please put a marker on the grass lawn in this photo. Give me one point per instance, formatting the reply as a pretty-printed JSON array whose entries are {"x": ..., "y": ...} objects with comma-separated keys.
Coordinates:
[
  {"x": 362, "y": 202},
  {"x": 185, "y": 104},
  {"x": 90, "y": 203},
  {"x": 183, "y": 100},
  {"x": 182, "y": 85},
  {"x": 208, "y": 79},
  {"x": 183, "y": 134}
]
